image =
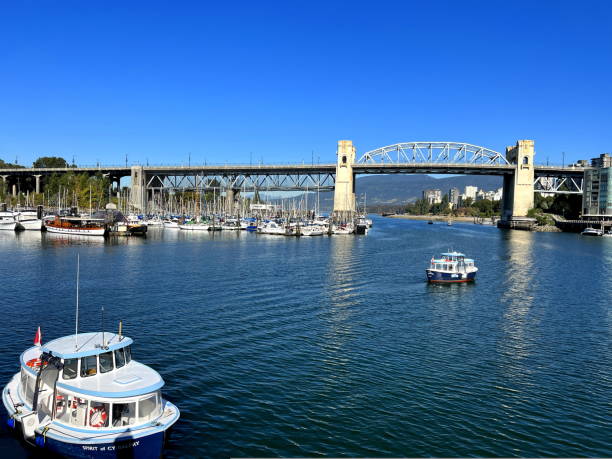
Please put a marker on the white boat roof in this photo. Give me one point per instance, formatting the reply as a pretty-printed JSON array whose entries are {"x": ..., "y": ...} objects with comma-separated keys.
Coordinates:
[
  {"x": 82, "y": 219},
  {"x": 131, "y": 380},
  {"x": 66, "y": 347}
]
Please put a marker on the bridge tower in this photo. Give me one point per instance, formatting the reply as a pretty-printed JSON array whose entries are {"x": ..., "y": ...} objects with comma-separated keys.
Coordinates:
[
  {"x": 518, "y": 188},
  {"x": 344, "y": 191},
  {"x": 138, "y": 189}
]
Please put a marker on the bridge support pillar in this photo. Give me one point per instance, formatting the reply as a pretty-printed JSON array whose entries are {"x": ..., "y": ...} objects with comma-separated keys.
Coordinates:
[
  {"x": 138, "y": 191},
  {"x": 37, "y": 177},
  {"x": 518, "y": 188},
  {"x": 344, "y": 190},
  {"x": 229, "y": 201},
  {"x": 14, "y": 189}
]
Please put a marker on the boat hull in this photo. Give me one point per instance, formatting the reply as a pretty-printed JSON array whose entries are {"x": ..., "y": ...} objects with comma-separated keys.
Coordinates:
[
  {"x": 142, "y": 447},
  {"x": 32, "y": 225},
  {"x": 8, "y": 226},
  {"x": 77, "y": 231},
  {"x": 446, "y": 277}
]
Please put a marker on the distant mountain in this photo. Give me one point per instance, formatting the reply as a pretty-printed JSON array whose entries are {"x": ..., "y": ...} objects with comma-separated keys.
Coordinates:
[
  {"x": 396, "y": 190},
  {"x": 392, "y": 189}
]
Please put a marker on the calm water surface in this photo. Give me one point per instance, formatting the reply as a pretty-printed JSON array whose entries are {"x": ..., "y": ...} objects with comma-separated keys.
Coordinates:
[{"x": 275, "y": 346}]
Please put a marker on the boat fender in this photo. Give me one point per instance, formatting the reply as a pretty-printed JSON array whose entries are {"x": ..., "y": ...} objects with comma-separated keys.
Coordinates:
[
  {"x": 100, "y": 420},
  {"x": 11, "y": 422}
]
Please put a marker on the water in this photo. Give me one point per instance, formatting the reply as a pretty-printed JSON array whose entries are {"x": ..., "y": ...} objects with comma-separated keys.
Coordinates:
[{"x": 275, "y": 346}]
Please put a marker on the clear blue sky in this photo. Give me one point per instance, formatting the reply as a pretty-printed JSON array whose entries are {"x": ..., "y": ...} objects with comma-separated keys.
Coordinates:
[{"x": 278, "y": 80}]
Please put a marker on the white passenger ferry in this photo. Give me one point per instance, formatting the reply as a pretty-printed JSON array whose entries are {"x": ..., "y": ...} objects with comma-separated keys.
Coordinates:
[{"x": 84, "y": 396}]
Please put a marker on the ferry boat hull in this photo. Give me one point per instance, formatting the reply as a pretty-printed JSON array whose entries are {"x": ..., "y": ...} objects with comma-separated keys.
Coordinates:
[
  {"x": 440, "y": 277},
  {"x": 132, "y": 447}
]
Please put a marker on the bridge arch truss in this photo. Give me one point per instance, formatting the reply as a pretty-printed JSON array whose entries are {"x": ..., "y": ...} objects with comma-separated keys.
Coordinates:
[{"x": 432, "y": 153}]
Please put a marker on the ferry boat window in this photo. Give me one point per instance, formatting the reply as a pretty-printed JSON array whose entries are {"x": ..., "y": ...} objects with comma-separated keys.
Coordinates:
[
  {"x": 128, "y": 354},
  {"x": 61, "y": 407},
  {"x": 124, "y": 414},
  {"x": 89, "y": 366},
  {"x": 78, "y": 410},
  {"x": 119, "y": 358},
  {"x": 98, "y": 414},
  {"x": 148, "y": 408},
  {"x": 70, "y": 368},
  {"x": 106, "y": 362},
  {"x": 29, "y": 389},
  {"x": 24, "y": 380}
]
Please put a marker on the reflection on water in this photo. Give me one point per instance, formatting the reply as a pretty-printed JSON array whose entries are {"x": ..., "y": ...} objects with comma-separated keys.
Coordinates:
[{"x": 517, "y": 298}]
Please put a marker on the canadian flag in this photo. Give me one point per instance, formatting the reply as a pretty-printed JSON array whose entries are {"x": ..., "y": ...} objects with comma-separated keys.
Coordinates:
[{"x": 38, "y": 337}]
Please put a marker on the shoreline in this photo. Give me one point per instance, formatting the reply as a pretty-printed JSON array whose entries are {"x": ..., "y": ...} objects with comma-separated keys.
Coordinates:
[{"x": 438, "y": 218}]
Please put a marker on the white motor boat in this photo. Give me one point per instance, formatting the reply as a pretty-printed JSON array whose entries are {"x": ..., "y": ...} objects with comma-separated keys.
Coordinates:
[
  {"x": 592, "y": 232},
  {"x": 171, "y": 224},
  {"x": 343, "y": 229},
  {"x": 29, "y": 220},
  {"x": 195, "y": 227},
  {"x": 8, "y": 221},
  {"x": 271, "y": 227},
  {"x": 311, "y": 230}
]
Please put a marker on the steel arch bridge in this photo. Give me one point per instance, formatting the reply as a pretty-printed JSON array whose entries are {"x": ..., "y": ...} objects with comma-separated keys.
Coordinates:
[{"x": 432, "y": 153}]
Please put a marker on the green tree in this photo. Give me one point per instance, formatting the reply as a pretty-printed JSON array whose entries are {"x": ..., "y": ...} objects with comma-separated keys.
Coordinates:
[{"x": 50, "y": 161}]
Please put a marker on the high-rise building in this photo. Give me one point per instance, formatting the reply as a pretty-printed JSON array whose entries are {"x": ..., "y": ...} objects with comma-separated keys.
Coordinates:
[
  {"x": 432, "y": 196},
  {"x": 470, "y": 191},
  {"x": 453, "y": 197},
  {"x": 597, "y": 191}
]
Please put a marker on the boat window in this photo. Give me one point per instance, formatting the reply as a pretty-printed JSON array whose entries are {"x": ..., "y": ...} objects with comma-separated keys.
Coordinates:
[
  {"x": 98, "y": 414},
  {"x": 128, "y": 354},
  {"x": 29, "y": 390},
  {"x": 148, "y": 408},
  {"x": 61, "y": 407},
  {"x": 78, "y": 410},
  {"x": 119, "y": 358},
  {"x": 24, "y": 380},
  {"x": 70, "y": 368},
  {"x": 89, "y": 366},
  {"x": 106, "y": 362},
  {"x": 124, "y": 414}
]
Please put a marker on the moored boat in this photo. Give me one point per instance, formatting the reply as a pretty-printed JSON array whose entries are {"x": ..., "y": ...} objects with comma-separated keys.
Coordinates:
[
  {"x": 8, "y": 221},
  {"x": 451, "y": 267},
  {"x": 82, "y": 226},
  {"x": 84, "y": 396},
  {"x": 592, "y": 232}
]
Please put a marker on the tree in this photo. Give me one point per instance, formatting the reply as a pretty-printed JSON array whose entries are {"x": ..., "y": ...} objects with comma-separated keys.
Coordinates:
[
  {"x": 4, "y": 165},
  {"x": 50, "y": 161}
]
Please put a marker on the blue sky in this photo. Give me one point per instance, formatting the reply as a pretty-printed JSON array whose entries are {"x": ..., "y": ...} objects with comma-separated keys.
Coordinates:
[{"x": 240, "y": 81}]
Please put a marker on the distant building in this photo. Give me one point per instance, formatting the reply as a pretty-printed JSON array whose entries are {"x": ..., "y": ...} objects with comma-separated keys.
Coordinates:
[
  {"x": 454, "y": 195},
  {"x": 470, "y": 191},
  {"x": 597, "y": 191},
  {"x": 432, "y": 196}
]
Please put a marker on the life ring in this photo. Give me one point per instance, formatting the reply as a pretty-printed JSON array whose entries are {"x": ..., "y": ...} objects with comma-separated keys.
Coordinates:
[
  {"x": 34, "y": 363},
  {"x": 97, "y": 417}
]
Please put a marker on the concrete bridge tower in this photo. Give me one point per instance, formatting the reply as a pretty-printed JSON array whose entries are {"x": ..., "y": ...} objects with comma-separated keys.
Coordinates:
[
  {"x": 138, "y": 189},
  {"x": 344, "y": 192},
  {"x": 518, "y": 188}
]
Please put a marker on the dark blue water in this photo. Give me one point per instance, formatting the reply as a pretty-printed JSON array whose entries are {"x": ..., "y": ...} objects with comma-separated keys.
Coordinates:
[{"x": 275, "y": 346}]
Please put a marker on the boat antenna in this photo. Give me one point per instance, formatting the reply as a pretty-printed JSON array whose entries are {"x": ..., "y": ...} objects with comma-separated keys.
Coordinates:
[
  {"x": 103, "y": 343},
  {"x": 76, "y": 327}
]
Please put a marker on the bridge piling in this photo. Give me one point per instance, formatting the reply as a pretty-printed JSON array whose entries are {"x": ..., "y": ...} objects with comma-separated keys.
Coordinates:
[{"x": 344, "y": 190}]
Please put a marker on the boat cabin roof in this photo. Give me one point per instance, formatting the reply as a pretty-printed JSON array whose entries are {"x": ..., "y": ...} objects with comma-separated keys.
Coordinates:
[
  {"x": 453, "y": 254},
  {"x": 88, "y": 344},
  {"x": 82, "y": 219}
]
